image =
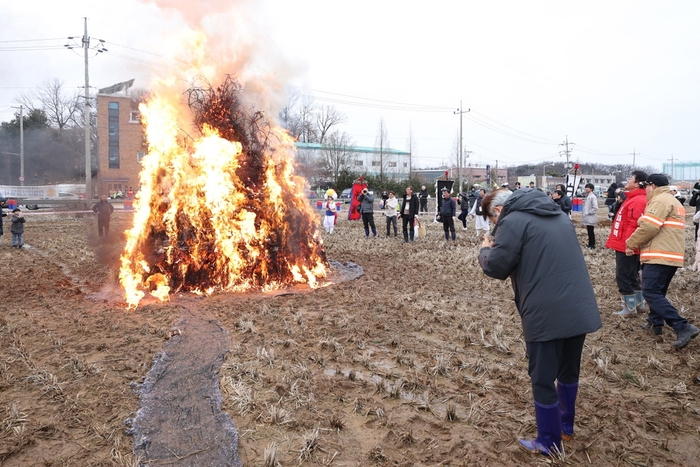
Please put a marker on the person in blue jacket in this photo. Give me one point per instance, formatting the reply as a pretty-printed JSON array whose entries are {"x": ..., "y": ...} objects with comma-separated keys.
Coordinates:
[{"x": 535, "y": 245}]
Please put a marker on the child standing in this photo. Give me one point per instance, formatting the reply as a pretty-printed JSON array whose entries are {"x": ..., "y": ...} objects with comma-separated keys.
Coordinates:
[
  {"x": 17, "y": 228},
  {"x": 329, "y": 219}
]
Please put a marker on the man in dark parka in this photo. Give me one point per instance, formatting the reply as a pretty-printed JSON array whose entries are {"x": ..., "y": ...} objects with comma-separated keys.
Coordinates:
[
  {"x": 104, "y": 210},
  {"x": 530, "y": 237}
]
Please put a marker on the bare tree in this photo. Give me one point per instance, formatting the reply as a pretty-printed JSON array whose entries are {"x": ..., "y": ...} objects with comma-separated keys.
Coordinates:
[
  {"x": 309, "y": 165},
  {"x": 337, "y": 154},
  {"x": 288, "y": 116},
  {"x": 60, "y": 106},
  {"x": 411, "y": 149},
  {"x": 307, "y": 106},
  {"x": 382, "y": 142},
  {"x": 327, "y": 116}
]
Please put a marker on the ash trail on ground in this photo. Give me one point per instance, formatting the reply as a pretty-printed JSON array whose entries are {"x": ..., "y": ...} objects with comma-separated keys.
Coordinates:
[{"x": 180, "y": 422}]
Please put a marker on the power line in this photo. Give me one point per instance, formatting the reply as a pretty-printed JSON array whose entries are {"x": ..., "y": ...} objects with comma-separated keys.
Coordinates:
[
  {"x": 370, "y": 102},
  {"x": 35, "y": 40},
  {"x": 510, "y": 128}
]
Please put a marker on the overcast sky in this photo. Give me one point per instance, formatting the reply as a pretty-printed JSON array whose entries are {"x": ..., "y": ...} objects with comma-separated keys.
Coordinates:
[{"x": 616, "y": 76}]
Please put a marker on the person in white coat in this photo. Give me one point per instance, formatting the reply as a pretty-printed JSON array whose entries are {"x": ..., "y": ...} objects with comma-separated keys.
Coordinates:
[
  {"x": 481, "y": 223},
  {"x": 590, "y": 214},
  {"x": 390, "y": 206}
]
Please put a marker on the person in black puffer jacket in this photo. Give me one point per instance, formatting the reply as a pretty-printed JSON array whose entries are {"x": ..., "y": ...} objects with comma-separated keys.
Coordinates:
[
  {"x": 447, "y": 212},
  {"x": 464, "y": 205},
  {"x": 610, "y": 199},
  {"x": 530, "y": 237}
]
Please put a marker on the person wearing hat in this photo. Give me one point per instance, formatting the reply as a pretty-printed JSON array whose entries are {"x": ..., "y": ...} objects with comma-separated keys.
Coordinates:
[
  {"x": 331, "y": 211},
  {"x": 674, "y": 191},
  {"x": 660, "y": 238},
  {"x": 557, "y": 306}
]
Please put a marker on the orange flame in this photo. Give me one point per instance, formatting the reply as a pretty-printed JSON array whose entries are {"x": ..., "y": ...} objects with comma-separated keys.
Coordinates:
[{"x": 201, "y": 223}]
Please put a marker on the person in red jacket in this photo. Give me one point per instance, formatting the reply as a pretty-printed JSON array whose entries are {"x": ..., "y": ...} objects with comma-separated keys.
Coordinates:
[{"x": 623, "y": 226}]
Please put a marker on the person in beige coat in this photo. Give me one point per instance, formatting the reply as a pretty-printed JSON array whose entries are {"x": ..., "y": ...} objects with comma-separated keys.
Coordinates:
[{"x": 660, "y": 238}]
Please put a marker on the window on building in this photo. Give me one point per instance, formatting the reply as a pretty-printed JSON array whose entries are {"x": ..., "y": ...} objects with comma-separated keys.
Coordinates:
[
  {"x": 376, "y": 163},
  {"x": 405, "y": 165},
  {"x": 139, "y": 156},
  {"x": 392, "y": 164},
  {"x": 135, "y": 116},
  {"x": 359, "y": 162},
  {"x": 113, "y": 155}
]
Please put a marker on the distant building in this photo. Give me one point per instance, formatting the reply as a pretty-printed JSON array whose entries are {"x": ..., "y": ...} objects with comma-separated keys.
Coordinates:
[
  {"x": 469, "y": 175},
  {"x": 547, "y": 183},
  {"x": 680, "y": 172},
  {"x": 369, "y": 161},
  {"x": 121, "y": 143}
]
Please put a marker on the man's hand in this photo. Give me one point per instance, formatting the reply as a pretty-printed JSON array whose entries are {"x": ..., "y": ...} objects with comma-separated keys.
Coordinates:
[
  {"x": 487, "y": 243},
  {"x": 629, "y": 252}
]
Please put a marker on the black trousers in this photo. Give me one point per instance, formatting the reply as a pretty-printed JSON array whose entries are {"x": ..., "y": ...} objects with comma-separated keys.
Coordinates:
[
  {"x": 368, "y": 222},
  {"x": 463, "y": 217},
  {"x": 591, "y": 235},
  {"x": 423, "y": 204},
  {"x": 627, "y": 273},
  {"x": 103, "y": 226},
  {"x": 655, "y": 281},
  {"x": 390, "y": 220},
  {"x": 448, "y": 225},
  {"x": 558, "y": 360},
  {"x": 407, "y": 226}
]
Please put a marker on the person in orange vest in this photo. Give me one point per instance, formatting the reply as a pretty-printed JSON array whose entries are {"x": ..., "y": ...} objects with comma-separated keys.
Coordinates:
[{"x": 660, "y": 238}]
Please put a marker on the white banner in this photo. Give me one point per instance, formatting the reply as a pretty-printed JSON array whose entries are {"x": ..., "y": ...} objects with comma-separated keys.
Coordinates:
[{"x": 40, "y": 192}]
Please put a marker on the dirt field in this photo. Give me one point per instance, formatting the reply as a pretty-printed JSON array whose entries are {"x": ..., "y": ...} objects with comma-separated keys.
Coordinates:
[{"x": 420, "y": 362}]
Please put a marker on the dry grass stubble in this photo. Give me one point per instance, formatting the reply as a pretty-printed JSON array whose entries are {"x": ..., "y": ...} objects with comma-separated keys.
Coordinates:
[{"x": 419, "y": 362}]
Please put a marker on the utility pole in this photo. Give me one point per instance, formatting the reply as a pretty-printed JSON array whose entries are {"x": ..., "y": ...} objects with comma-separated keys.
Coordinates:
[
  {"x": 21, "y": 144},
  {"x": 85, "y": 45},
  {"x": 634, "y": 157},
  {"x": 671, "y": 159},
  {"x": 460, "y": 155},
  {"x": 566, "y": 151},
  {"x": 88, "y": 158}
]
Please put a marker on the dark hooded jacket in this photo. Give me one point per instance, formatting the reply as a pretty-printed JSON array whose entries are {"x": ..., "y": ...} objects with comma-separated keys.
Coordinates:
[{"x": 535, "y": 245}]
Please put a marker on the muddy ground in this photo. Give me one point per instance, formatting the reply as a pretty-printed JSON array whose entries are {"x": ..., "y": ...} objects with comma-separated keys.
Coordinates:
[{"x": 419, "y": 362}]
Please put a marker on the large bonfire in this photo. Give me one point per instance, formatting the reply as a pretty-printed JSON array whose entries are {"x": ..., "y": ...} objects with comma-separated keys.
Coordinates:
[{"x": 221, "y": 210}]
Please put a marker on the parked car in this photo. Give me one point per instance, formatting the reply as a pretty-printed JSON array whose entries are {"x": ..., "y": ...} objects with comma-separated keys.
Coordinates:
[
  {"x": 63, "y": 196},
  {"x": 345, "y": 195}
]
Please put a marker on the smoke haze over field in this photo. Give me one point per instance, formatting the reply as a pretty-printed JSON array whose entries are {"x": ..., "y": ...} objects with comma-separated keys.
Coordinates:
[{"x": 616, "y": 77}]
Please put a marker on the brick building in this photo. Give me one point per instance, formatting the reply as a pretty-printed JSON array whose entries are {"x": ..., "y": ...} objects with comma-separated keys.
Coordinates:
[{"x": 121, "y": 143}]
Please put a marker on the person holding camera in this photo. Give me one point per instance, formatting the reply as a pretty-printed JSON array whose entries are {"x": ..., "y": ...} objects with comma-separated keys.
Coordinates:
[
  {"x": 557, "y": 306},
  {"x": 481, "y": 223},
  {"x": 367, "y": 209},
  {"x": 447, "y": 213}
]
